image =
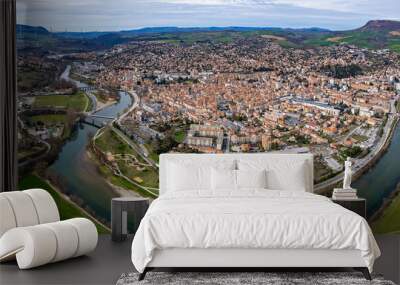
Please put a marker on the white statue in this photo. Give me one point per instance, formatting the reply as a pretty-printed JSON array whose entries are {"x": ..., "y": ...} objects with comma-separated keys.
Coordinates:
[{"x": 347, "y": 174}]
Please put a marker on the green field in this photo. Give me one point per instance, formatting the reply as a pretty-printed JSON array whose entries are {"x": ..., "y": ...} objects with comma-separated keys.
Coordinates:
[
  {"x": 67, "y": 209},
  {"x": 371, "y": 39},
  {"x": 319, "y": 41},
  {"x": 394, "y": 44},
  {"x": 367, "y": 39},
  {"x": 110, "y": 142},
  {"x": 78, "y": 102},
  {"x": 49, "y": 119},
  {"x": 360, "y": 138},
  {"x": 152, "y": 154},
  {"x": 53, "y": 119},
  {"x": 149, "y": 175},
  {"x": 121, "y": 182},
  {"x": 191, "y": 38},
  {"x": 364, "y": 39},
  {"x": 180, "y": 136},
  {"x": 389, "y": 222},
  {"x": 215, "y": 37}
]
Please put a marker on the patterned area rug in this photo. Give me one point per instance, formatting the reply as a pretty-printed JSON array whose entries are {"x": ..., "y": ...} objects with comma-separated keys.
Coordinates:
[{"x": 243, "y": 278}]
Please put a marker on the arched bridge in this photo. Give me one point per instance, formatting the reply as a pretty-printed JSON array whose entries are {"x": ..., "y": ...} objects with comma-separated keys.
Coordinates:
[{"x": 87, "y": 88}]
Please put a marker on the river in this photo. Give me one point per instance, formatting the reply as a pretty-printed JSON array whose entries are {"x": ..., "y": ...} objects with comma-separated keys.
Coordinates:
[
  {"x": 77, "y": 172},
  {"x": 382, "y": 178},
  {"x": 65, "y": 76}
]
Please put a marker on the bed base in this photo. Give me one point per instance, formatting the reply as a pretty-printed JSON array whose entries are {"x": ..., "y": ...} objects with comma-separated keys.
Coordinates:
[
  {"x": 363, "y": 270},
  {"x": 242, "y": 259}
]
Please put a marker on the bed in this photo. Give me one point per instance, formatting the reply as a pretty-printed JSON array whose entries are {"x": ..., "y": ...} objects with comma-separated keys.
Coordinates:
[{"x": 247, "y": 210}]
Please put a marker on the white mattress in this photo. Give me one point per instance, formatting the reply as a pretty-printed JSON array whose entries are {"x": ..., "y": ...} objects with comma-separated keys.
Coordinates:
[{"x": 252, "y": 219}]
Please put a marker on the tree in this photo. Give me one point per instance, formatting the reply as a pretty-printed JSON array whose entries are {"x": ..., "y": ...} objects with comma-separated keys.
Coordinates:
[
  {"x": 41, "y": 168},
  {"x": 71, "y": 117},
  {"x": 351, "y": 151},
  {"x": 342, "y": 71},
  {"x": 165, "y": 145}
]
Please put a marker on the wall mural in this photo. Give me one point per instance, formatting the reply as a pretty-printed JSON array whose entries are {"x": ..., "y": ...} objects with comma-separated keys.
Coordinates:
[{"x": 97, "y": 108}]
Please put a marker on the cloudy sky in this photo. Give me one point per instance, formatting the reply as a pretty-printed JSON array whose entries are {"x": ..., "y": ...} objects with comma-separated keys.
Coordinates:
[{"x": 111, "y": 15}]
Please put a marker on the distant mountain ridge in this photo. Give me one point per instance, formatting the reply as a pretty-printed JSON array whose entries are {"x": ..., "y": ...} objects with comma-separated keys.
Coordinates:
[
  {"x": 32, "y": 30},
  {"x": 373, "y": 25},
  {"x": 161, "y": 30},
  {"x": 380, "y": 25},
  {"x": 375, "y": 34}
]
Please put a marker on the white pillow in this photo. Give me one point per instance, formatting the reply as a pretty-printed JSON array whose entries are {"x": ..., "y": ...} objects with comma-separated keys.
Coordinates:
[
  {"x": 223, "y": 179},
  {"x": 282, "y": 174},
  {"x": 183, "y": 177},
  {"x": 251, "y": 178},
  {"x": 293, "y": 180}
]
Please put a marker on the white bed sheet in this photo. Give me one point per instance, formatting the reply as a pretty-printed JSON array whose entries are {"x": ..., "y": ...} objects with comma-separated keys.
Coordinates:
[{"x": 252, "y": 218}]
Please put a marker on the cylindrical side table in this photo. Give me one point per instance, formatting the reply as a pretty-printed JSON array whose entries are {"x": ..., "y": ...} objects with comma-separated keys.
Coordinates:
[{"x": 120, "y": 207}]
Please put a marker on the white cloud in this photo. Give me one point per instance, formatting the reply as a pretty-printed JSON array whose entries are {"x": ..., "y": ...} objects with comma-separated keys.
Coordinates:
[
  {"x": 207, "y": 2},
  {"x": 364, "y": 6},
  {"x": 335, "y": 5},
  {"x": 125, "y": 14}
]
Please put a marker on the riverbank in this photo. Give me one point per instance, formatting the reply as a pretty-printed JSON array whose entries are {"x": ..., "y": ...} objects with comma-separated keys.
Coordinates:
[
  {"x": 112, "y": 166},
  {"x": 387, "y": 218},
  {"x": 78, "y": 175},
  {"x": 101, "y": 106},
  {"x": 122, "y": 192},
  {"x": 379, "y": 183},
  {"x": 134, "y": 171},
  {"x": 76, "y": 182},
  {"x": 67, "y": 208},
  {"x": 326, "y": 190},
  {"x": 381, "y": 152}
]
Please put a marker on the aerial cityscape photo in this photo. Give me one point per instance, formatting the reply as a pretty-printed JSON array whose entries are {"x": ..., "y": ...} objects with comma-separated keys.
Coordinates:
[{"x": 104, "y": 89}]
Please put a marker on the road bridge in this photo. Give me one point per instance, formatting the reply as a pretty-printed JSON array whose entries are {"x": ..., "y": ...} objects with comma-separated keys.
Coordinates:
[
  {"x": 99, "y": 116},
  {"x": 86, "y": 88},
  {"x": 92, "y": 123}
]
